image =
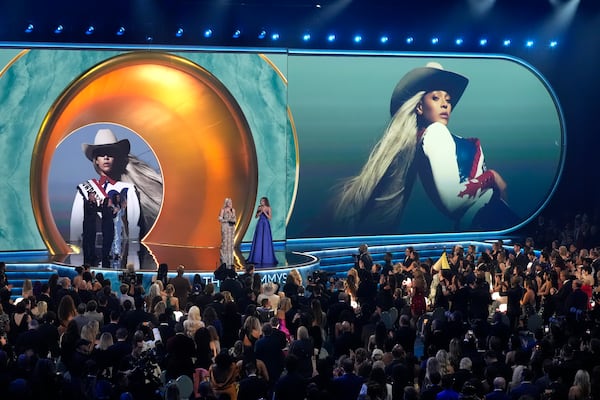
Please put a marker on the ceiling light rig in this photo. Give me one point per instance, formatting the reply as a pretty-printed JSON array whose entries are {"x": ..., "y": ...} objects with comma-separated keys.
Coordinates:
[{"x": 383, "y": 41}]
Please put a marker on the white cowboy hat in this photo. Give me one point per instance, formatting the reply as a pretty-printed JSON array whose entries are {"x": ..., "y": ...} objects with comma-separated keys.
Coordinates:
[
  {"x": 105, "y": 139},
  {"x": 269, "y": 288}
]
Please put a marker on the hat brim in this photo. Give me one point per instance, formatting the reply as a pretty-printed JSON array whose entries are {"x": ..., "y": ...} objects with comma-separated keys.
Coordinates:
[
  {"x": 427, "y": 79},
  {"x": 121, "y": 147}
]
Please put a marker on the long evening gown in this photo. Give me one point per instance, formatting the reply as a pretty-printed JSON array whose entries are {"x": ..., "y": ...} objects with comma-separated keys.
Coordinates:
[{"x": 262, "y": 251}]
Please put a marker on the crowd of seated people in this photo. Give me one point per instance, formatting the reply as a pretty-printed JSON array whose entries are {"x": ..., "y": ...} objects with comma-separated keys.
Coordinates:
[{"x": 511, "y": 322}]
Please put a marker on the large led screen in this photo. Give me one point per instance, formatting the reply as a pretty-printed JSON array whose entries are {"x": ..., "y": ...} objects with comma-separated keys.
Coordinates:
[
  {"x": 341, "y": 144},
  {"x": 374, "y": 162}
]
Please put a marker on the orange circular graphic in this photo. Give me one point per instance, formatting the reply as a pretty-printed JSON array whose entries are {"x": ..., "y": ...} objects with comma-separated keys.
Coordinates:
[{"x": 194, "y": 126}]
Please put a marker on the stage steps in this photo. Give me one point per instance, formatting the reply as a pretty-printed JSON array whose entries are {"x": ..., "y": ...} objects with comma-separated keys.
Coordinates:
[{"x": 16, "y": 273}]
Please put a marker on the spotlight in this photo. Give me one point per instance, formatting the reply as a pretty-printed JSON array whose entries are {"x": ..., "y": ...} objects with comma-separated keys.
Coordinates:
[
  {"x": 553, "y": 43},
  {"x": 90, "y": 30},
  {"x": 179, "y": 32},
  {"x": 29, "y": 28},
  {"x": 59, "y": 29},
  {"x": 262, "y": 34},
  {"x": 357, "y": 39},
  {"x": 458, "y": 41},
  {"x": 506, "y": 42},
  {"x": 435, "y": 40},
  {"x": 149, "y": 39},
  {"x": 384, "y": 39},
  {"x": 331, "y": 38},
  {"x": 410, "y": 40},
  {"x": 275, "y": 36},
  {"x": 120, "y": 31},
  {"x": 306, "y": 37},
  {"x": 483, "y": 42},
  {"x": 208, "y": 33},
  {"x": 529, "y": 43},
  {"x": 236, "y": 34}
]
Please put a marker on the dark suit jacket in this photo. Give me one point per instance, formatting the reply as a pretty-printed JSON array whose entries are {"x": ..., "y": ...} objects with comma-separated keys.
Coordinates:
[
  {"x": 525, "y": 388},
  {"x": 268, "y": 350},
  {"x": 347, "y": 386},
  {"x": 497, "y": 395},
  {"x": 252, "y": 388}
]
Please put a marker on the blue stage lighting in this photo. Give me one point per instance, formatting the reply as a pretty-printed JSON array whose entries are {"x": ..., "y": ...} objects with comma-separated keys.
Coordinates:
[
  {"x": 529, "y": 43},
  {"x": 179, "y": 32},
  {"x": 410, "y": 40},
  {"x": 29, "y": 28},
  {"x": 120, "y": 31},
  {"x": 275, "y": 36},
  {"x": 357, "y": 39},
  {"x": 483, "y": 42},
  {"x": 384, "y": 39},
  {"x": 458, "y": 41},
  {"x": 435, "y": 40},
  {"x": 262, "y": 34},
  {"x": 553, "y": 43},
  {"x": 208, "y": 33},
  {"x": 306, "y": 37},
  {"x": 331, "y": 38},
  {"x": 59, "y": 29},
  {"x": 90, "y": 30},
  {"x": 506, "y": 42},
  {"x": 236, "y": 34}
]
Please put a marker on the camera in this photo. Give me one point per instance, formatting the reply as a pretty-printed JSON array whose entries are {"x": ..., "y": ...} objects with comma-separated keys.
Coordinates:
[{"x": 320, "y": 276}]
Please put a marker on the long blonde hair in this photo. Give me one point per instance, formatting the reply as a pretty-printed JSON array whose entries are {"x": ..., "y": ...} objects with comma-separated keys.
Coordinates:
[
  {"x": 398, "y": 144},
  {"x": 149, "y": 184}
]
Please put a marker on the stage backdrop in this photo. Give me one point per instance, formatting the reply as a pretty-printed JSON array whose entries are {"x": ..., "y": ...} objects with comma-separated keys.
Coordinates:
[{"x": 290, "y": 126}]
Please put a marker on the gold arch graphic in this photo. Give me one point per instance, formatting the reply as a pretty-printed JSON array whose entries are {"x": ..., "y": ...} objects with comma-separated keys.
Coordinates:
[{"x": 192, "y": 123}]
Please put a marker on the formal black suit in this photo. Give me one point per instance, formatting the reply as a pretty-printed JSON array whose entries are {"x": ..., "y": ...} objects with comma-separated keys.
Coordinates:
[
  {"x": 180, "y": 349},
  {"x": 268, "y": 350},
  {"x": 347, "y": 386},
  {"x": 252, "y": 388},
  {"x": 90, "y": 215}
]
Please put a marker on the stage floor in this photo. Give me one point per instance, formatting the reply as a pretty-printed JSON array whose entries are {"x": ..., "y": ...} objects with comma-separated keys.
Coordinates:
[{"x": 146, "y": 257}]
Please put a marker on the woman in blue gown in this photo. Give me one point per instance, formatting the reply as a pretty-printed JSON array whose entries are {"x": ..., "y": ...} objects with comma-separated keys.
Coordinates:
[{"x": 262, "y": 251}]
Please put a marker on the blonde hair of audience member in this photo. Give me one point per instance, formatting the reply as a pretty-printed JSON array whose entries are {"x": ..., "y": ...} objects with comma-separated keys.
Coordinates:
[
  {"x": 297, "y": 277},
  {"x": 105, "y": 341},
  {"x": 444, "y": 360},
  {"x": 195, "y": 321},
  {"x": 90, "y": 332},
  {"x": 227, "y": 297},
  {"x": 252, "y": 328},
  {"x": 40, "y": 309},
  {"x": 27, "y": 290},
  {"x": 170, "y": 298},
  {"x": 432, "y": 365},
  {"x": 302, "y": 333},
  {"x": 160, "y": 308},
  {"x": 215, "y": 342},
  {"x": 516, "y": 377},
  {"x": 153, "y": 292},
  {"x": 190, "y": 327},
  {"x": 563, "y": 252},
  {"x": 285, "y": 304},
  {"x": 583, "y": 381}
]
